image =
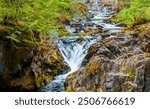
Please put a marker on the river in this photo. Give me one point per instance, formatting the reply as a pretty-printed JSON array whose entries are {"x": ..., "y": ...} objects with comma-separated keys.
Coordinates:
[{"x": 73, "y": 48}]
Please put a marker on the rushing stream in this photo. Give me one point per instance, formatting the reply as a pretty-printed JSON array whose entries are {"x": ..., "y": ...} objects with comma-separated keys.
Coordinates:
[
  {"x": 73, "y": 51},
  {"x": 73, "y": 48}
]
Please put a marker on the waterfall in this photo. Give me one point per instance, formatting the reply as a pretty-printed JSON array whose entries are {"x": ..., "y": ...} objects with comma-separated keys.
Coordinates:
[{"x": 73, "y": 50}]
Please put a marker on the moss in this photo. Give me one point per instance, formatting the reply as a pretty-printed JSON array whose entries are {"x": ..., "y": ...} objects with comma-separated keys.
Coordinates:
[
  {"x": 24, "y": 83},
  {"x": 37, "y": 82},
  {"x": 29, "y": 83},
  {"x": 131, "y": 76},
  {"x": 100, "y": 74},
  {"x": 127, "y": 86},
  {"x": 146, "y": 47},
  {"x": 26, "y": 68},
  {"x": 64, "y": 18},
  {"x": 42, "y": 80},
  {"x": 3, "y": 31},
  {"x": 129, "y": 69},
  {"x": 90, "y": 89},
  {"x": 94, "y": 66},
  {"x": 130, "y": 55},
  {"x": 82, "y": 8},
  {"x": 49, "y": 70},
  {"x": 2, "y": 28}
]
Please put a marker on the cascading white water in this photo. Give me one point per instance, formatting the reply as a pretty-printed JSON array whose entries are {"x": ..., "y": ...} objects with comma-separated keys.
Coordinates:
[{"x": 73, "y": 49}]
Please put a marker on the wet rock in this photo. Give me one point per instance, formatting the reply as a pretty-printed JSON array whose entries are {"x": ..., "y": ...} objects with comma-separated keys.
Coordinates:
[
  {"x": 115, "y": 4},
  {"x": 117, "y": 64},
  {"x": 64, "y": 19},
  {"x": 26, "y": 68},
  {"x": 82, "y": 89}
]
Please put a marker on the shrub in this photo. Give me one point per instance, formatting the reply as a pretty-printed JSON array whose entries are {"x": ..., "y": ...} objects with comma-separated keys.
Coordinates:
[
  {"x": 138, "y": 12},
  {"x": 23, "y": 17}
]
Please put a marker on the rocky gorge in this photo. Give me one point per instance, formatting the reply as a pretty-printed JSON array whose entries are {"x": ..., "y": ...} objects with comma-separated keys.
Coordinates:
[
  {"x": 119, "y": 64},
  {"x": 116, "y": 64},
  {"x": 95, "y": 55}
]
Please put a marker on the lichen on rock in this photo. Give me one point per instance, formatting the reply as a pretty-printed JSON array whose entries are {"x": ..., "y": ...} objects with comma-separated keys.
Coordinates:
[
  {"x": 117, "y": 64},
  {"x": 25, "y": 67}
]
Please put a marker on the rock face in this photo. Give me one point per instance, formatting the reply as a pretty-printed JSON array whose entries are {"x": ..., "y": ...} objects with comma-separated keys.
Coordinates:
[
  {"x": 116, "y": 4},
  {"x": 27, "y": 68},
  {"x": 116, "y": 64}
]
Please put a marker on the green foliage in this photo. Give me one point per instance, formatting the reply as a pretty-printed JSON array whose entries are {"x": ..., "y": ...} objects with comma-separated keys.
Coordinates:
[
  {"x": 49, "y": 71},
  {"x": 132, "y": 76},
  {"x": 138, "y": 12},
  {"x": 22, "y": 16}
]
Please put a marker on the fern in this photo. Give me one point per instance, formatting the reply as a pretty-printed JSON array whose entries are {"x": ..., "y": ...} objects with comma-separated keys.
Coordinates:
[
  {"x": 138, "y": 12},
  {"x": 37, "y": 15},
  {"x": 13, "y": 37}
]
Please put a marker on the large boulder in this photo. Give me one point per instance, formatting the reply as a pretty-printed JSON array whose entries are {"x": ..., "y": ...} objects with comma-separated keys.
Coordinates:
[
  {"x": 27, "y": 67},
  {"x": 116, "y": 64}
]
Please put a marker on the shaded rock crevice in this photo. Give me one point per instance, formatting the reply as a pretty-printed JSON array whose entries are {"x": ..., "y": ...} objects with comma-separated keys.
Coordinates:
[{"x": 28, "y": 68}]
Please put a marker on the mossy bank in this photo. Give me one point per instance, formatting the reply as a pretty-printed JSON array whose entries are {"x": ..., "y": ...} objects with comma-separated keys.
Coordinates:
[{"x": 27, "y": 67}]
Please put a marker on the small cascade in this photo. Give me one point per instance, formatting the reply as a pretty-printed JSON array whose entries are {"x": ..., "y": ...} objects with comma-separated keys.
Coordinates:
[{"x": 73, "y": 50}]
